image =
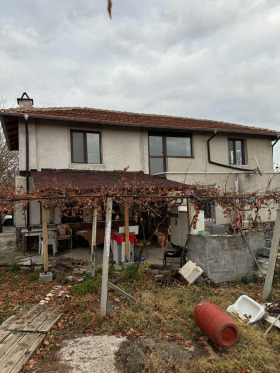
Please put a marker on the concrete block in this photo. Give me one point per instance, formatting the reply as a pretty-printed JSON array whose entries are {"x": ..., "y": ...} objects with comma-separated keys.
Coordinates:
[
  {"x": 127, "y": 264},
  {"x": 225, "y": 258},
  {"x": 45, "y": 277}
]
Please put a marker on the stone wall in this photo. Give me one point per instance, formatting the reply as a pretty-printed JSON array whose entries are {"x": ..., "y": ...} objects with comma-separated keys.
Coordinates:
[{"x": 226, "y": 258}]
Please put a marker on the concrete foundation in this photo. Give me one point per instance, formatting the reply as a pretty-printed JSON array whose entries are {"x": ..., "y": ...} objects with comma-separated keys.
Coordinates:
[
  {"x": 226, "y": 258},
  {"x": 45, "y": 277}
]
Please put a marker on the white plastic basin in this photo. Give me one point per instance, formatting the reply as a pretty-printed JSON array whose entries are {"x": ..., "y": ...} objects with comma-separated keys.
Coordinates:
[{"x": 247, "y": 306}]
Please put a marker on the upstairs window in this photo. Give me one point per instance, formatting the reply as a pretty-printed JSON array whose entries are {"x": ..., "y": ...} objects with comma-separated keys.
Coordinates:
[
  {"x": 85, "y": 147},
  {"x": 162, "y": 147},
  {"x": 236, "y": 152}
]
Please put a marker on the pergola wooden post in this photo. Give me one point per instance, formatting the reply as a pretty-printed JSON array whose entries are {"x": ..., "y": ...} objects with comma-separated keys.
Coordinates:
[
  {"x": 45, "y": 238},
  {"x": 93, "y": 240},
  {"x": 126, "y": 230},
  {"x": 106, "y": 253},
  {"x": 272, "y": 257}
]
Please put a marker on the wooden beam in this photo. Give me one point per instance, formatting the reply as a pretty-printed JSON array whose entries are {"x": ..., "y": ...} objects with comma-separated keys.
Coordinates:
[
  {"x": 106, "y": 253},
  {"x": 119, "y": 290},
  {"x": 45, "y": 238},
  {"x": 126, "y": 229},
  {"x": 93, "y": 240},
  {"x": 272, "y": 257}
]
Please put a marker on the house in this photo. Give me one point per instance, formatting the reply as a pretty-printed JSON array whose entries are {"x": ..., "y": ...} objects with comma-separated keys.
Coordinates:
[{"x": 192, "y": 151}]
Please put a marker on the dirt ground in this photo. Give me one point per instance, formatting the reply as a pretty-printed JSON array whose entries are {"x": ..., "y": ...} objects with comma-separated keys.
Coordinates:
[{"x": 151, "y": 355}]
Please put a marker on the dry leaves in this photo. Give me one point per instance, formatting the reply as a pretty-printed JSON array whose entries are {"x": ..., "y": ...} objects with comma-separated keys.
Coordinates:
[{"x": 110, "y": 8}]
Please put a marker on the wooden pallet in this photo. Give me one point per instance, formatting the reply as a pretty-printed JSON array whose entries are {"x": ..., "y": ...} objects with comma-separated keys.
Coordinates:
[
  {"x": 16, "y": 349},
  {"x": 21, "y": 334},
  {"x": 36, "y": 319}
]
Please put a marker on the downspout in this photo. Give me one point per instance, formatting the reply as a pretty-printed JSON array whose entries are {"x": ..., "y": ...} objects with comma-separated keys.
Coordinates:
[
  {"x": 276, "y": 141},
  {"x": 27, "y": 172},
  {"x": 221, "y": 164}
]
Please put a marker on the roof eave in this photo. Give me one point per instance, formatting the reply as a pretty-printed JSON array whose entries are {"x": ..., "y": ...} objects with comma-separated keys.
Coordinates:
[
  {"x": 90, "y": 121},
  {"x": 3, "y": 124}
]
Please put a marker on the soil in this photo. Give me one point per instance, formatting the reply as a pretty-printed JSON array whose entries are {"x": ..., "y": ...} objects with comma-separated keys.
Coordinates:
[
  {"x": 150, "y": 355},
  {"x": 88, "y": 354}
]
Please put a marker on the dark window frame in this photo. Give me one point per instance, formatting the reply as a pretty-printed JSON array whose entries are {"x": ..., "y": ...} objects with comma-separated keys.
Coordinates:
[
  {"x": 85, "y": 132},
  {"x": 234, "y": 151},
  {"x": 164, "y": 135}
]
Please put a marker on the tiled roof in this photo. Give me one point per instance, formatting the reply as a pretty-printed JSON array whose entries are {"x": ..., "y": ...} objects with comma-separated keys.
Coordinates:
[
  {"x": 94, "y": 181},
  {"x": 137, "y": 120}
]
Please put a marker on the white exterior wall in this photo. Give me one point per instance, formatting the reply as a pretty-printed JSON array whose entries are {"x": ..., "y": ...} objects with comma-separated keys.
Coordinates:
[
  {"x": 50, "y": 147},
  {"x": 120, "y": 147}
]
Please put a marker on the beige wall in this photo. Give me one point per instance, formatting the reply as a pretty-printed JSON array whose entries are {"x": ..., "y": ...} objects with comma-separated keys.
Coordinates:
[{"x": 50, "y": 147}]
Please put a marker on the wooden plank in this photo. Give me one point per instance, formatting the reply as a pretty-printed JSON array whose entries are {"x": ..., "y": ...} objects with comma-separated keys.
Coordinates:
[
  {"x": 93, "y": 240},
  {"x": 106, "y": 254},
  {"x": 34, "y": 324},
  {"x": 20, "y": 353},
  {"x": 272, "y": 257},
  {"x": 23, "y": 311},
  {"x": 4, "y": 334},
  {"x": 272, "y": 319},
  {"x": 17, "y": 368},
  {"x": 45, "y": 238},
  {"x": 52, "y": 319},
  {"x": 8, "y": 344},
  {"x": 18, "y": 322},
  {"x": 126, "y": 229}
]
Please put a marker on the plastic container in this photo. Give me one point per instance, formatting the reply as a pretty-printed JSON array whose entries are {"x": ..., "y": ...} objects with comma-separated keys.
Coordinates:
[
  {"x": 190, "y": 271},
  {"x": 247, "y": 306},
  {"x": 217, "y": 324}
]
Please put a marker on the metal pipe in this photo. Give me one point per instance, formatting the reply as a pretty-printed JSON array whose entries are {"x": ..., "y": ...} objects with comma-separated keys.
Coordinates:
[
  {"x": 276, "y": 141},
  {"x": 221, "y": 164},
  {"x": 27, "y": 171},
  {"x": 208, "y": 173}
]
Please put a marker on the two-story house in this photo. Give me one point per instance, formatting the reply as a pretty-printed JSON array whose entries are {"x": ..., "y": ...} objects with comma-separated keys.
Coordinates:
[{"x": 192, "y": 151}]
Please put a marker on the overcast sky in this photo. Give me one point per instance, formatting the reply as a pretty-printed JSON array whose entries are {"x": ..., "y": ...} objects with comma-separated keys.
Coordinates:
[{"x": 213, "y": 59}]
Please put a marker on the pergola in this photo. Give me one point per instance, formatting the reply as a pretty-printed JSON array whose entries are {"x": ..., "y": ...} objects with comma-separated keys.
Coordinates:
[
  {"x": 95, "y": 186},
  {"x": 105, "y": 186}
]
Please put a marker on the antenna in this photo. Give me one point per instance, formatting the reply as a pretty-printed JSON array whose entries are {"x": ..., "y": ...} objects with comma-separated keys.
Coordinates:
[{"x": 257, "y": 170}]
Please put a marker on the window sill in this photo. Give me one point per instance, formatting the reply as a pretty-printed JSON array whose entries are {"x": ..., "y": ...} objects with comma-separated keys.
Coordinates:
[
  {"x": 87, "y": 166},
  {"x": 238, "y": 165}
]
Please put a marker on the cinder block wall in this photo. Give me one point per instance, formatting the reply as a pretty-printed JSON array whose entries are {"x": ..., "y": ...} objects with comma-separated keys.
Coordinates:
[{"x": 226, "y": 258}]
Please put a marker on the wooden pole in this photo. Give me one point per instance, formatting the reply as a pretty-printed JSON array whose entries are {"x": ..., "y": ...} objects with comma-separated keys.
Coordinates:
[
  {"x": 45, "y": 238},
  {"x": 126, "y": 229},
  {"x": 272, "y": 257},
  {"x": 93, "y": 240},
  {"x": 106, "y": 253}
]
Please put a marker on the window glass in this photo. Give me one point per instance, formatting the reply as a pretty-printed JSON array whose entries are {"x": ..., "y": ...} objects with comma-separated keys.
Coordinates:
[
  {"x": 156, "y": 165},
  {"x": 178, "y": 146},
  {"x": 78, "y": 147},
  {"x": 93, "y": 151},
  {"x": 156, "y": 145},
  {"x": 231, "y": 151},
  {"x": 238, "y": 150}
]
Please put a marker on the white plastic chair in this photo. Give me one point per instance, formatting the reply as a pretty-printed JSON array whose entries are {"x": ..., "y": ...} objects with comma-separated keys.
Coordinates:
[{"x": 52, "y": 239}]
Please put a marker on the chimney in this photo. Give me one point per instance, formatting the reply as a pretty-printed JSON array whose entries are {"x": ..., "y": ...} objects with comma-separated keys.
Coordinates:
[{"x": 25, "y": 101}]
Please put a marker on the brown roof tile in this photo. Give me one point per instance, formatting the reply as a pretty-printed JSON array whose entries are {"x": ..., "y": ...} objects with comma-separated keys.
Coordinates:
[
  {"x": 94, "y": 181},
  {"x": 137, "y": 120}
]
